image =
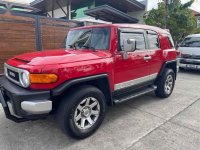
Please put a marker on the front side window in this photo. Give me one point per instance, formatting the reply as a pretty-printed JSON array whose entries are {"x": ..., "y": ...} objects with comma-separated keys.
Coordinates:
[
  {"x": 153, "y": 40},
  {"x": 191, "y": 42},
  {"x": 96, "y": 38},
  {"x": 139, "y": 37}
]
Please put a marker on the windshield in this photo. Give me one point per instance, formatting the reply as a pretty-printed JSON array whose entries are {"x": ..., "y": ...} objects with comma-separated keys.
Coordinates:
[
  {"x": 95, "y": 38},
  {"x": 191, "y": 42}
]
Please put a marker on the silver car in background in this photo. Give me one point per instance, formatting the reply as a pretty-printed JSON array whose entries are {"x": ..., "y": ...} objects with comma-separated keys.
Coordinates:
[{"x": 190, "y": 52}]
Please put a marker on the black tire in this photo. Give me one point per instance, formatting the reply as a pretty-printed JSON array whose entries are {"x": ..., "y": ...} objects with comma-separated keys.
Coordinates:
[
  {"x": 69, "y": 105},
  {"x": 161, "y": 82}
]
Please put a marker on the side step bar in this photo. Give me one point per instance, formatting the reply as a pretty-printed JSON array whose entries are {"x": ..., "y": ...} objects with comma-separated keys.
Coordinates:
[{"x": 136, "y": 94}]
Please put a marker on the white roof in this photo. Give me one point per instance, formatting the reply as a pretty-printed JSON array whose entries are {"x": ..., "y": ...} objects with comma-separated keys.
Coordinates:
[{"x": 194, "y": 35}]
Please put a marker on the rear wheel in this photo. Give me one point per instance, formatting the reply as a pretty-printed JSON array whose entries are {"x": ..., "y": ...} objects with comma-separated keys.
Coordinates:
[
  {"x": 165, "y": 84},
  {"x": 81, "y": 113}
]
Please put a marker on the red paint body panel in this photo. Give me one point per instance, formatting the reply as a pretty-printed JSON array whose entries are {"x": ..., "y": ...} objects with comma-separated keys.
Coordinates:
[
  {"x": 72, "y": 64},
  {"x": 132, "y": 68}
]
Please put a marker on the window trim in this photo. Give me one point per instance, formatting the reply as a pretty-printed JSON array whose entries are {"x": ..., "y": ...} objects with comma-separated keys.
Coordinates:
[
  {"x": 159, "y": 48},
  {"x": 131, "y": 30}
]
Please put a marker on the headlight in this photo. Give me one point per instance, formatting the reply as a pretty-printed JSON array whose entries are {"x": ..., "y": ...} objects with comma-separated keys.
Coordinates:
[
  {"x": 5, "y": 70},
  {"x": 25, "y": 81}
]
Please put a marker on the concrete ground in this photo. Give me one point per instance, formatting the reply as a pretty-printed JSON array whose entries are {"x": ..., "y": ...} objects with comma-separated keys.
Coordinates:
[{"x": 145, "y": 123}]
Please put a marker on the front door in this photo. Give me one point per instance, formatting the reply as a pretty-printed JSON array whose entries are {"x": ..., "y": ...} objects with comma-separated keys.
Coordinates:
[{"x": 134, "y": 70}]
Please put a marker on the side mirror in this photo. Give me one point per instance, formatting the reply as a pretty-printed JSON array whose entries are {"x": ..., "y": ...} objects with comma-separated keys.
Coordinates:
[{"x": 128, "y": 45}]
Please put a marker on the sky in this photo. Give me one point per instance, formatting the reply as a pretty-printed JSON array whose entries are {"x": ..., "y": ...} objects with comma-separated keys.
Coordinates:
[{"x": 195, "y": 6}]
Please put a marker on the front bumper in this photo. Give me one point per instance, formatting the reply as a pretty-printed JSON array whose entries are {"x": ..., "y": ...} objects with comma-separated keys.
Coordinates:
[
  {"x": 189, "y": 63},
  {"x": 22, "y": 105}
]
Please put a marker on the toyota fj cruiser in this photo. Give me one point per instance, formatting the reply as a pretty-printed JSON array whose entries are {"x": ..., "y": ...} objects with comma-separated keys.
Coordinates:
[{"x": 101, "y": 66}]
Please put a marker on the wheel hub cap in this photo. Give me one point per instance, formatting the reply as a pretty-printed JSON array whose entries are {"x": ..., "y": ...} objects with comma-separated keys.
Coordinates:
[{"x": 87, "y": 113}]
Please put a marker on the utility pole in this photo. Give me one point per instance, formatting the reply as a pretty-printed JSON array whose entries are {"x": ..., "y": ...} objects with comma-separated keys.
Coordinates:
[{"x": 167, "y": 2}]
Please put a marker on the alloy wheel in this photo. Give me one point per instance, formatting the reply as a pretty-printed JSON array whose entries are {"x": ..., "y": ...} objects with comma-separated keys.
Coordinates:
[
  {"x": 87, "y": 113},
  {"x": 169, "y": 84}
]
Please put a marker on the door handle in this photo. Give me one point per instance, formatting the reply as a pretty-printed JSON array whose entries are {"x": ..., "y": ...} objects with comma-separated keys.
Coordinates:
[{"x": 147, "y": 58}]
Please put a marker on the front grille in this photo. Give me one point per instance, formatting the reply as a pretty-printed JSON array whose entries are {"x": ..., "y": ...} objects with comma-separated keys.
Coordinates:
[
  {"x": 13, "y": 74},
  {"x": 191, "y": 56},
  {"x": 185, "y": 61}
]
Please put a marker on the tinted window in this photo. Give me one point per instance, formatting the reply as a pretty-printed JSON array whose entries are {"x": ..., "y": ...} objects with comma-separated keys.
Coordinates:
[
  {"x": 97, "y": 38},
  {"x": 191, "y": 42},
  {"x": 153, "y": 40},
  {"x": 139, "y": 37}
]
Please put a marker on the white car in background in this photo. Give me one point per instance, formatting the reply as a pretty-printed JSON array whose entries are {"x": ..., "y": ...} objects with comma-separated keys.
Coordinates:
[{"x": 190, "y": 52}]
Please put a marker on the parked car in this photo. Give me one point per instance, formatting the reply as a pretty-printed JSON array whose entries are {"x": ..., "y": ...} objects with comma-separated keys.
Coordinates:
[
  {"x": 190, "y": 52},
  {"x": 101, "y": 66}
]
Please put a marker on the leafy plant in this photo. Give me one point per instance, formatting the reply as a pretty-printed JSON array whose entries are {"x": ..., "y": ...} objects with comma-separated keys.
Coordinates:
[
  {"x": 196, "y": 31},
  {"x": 176, "y": 17}
]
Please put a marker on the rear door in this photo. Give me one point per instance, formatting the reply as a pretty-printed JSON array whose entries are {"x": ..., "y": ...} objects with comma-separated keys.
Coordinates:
[{"x": 135, "y": 69}]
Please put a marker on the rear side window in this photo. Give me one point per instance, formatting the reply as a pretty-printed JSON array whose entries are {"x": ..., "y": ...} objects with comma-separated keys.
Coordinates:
[
  {"x": 139, "y": 37},
  {"x": 153, "y": 40}
]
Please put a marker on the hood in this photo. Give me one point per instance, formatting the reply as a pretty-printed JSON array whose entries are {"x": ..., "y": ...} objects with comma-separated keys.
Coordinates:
[
  {"x": 60, "y": 56},
  {"x": 190, "y": 50}
]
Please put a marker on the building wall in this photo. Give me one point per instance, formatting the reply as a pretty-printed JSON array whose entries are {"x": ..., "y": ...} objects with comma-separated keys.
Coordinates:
[
  {"x": 138, "y": 15},
  {"x": 198, "y": 21},
  {"x": 58, "y": 13},
  {"x": 150, "y": 4},
  {"x": 78, "y": 10}
]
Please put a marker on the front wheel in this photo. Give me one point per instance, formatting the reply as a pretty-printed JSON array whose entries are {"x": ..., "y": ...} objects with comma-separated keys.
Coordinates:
[
  {"x": 165, "y": 84},
  {"x": 81, "y": 113}
]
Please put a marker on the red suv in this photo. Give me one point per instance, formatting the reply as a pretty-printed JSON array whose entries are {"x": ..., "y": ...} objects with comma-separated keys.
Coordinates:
[{"x": 101, "y": 66}]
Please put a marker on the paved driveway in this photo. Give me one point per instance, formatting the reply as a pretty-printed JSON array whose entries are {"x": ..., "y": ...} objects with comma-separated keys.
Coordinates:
[{"x": 143, "y": 123}]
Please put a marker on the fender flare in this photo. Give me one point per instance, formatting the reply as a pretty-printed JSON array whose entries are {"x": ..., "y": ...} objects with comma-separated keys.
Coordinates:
[
  {"x": 65, "y": 86},
  {"x": 168, "y": 63}
]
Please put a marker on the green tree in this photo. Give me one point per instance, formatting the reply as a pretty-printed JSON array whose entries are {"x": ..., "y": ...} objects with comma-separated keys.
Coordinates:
[
  {"x": 176, "y": 17},
  {"x": 196, "y": 31}
]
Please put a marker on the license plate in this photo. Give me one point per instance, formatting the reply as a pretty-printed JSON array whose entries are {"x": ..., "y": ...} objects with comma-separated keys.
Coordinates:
[{"x": 192, "y": 66}]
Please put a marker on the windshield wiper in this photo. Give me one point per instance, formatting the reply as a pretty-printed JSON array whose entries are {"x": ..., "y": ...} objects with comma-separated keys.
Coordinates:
[
  {"x": 72, "y": 46},
  {"x": 89, "y": 47}
]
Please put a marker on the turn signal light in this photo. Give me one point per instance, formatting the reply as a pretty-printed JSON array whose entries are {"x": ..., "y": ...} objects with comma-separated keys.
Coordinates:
[{"x": 43, "y": 78}]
